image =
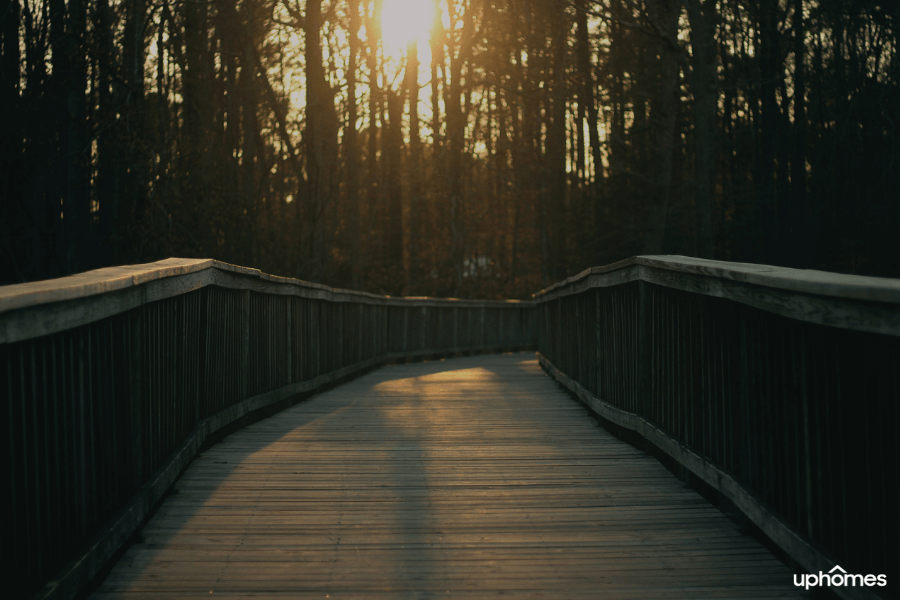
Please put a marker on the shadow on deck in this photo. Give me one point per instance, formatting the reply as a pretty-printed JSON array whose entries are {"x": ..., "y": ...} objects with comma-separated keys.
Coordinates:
[{"x": 469, "y": 477}]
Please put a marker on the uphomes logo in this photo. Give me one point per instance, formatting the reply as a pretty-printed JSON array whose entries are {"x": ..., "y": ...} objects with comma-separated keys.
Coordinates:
[{"x": 838, "y": 577}]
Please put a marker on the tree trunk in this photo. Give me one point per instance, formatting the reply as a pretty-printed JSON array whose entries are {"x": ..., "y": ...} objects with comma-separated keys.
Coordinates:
[
  {"x": 373, "y": 36},
  {"x": 15, "y": 211},
  {"x": 767, "y": 126},
  {"x": 197, "y": 75},
  {"x": 586, "y": 93},
  {"x": 321, "y": 142},
  {"x": 556, "y": 148},
  {"x": 704, "y": 90},
  {"x": 413, "y": 167},
  {"x": 664, "y": 105},
  {"x": 393, "y": 147},
  {"x": 456, "y": 126},
  {"x": 801, "y": 226},
  {"x": 251, "y": 158},
  {"x": 351, "y": 149},
  {"x": 72, "y": 73},
  {"x": 616, "y": 189}
]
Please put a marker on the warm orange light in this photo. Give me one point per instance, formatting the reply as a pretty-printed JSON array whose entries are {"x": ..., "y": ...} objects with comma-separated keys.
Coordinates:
[{"x": 404, "y": 22}]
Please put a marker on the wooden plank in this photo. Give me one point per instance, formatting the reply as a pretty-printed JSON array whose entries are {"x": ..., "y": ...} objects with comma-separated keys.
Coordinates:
[
  {"x": 468, "y": 476},
  {"x": 774, "y": 526},
  {"x": 805, "y": 281},
  {"x": 34, "y": 309},
  {"x": 857, "y": 303}
]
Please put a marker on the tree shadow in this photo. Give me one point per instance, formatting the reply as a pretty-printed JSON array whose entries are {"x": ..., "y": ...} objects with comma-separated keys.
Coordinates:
[{"x": 334, "y": 494}]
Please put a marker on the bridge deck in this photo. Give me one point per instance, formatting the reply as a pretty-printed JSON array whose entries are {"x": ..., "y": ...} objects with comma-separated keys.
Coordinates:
[{"x": 463, "y": 478}]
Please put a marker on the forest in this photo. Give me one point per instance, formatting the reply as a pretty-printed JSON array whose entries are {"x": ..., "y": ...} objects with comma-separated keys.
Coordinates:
[{"x": 465, "y": 148}]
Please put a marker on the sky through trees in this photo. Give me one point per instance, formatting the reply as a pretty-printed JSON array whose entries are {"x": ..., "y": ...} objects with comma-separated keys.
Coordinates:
[{"x": 448, "y": 147}]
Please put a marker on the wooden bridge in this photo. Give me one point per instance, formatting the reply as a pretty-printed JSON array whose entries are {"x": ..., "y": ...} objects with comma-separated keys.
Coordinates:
[{"x": 140, "y": 464}]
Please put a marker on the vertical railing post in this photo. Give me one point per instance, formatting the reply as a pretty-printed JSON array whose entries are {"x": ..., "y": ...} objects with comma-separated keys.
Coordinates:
[
  {"x": 382, "y": 324},
  {"x": 577, "y": 363},
  {"x": 339, "y": 353},
  {"x": 405, "y": 331},
  {"x": 598, "y": 349},
  {"x": 290, "y": 342},
  {"x": 203, "y": 362},
  {"x": 483, "y": 335},
  {"x": 134, "y": 410},
  {"x": 644, "y": 341},
  {"x": 808, "y": 505},
  {"x": 424, "y": 334},
  {"x": 741, "y": 443},
  {"x": 375, "y": 324},
  {"x": 557, "y": 334},
  {"x": 245, "y": 342},
  {"x": 455, "y": 328}
]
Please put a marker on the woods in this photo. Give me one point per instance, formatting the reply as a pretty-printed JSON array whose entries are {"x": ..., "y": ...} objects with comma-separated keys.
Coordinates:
[{"x": 511, "y": 145}]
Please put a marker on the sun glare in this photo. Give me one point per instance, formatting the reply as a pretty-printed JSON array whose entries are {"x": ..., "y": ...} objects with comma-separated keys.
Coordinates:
[{"x": 404, "y": 22}]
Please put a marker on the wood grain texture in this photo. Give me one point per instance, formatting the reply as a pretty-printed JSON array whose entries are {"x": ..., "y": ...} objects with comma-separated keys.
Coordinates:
[
  {"x": 849, "y": 301},
  {"x": 31, "y": 310},
  {"x": 472, "y": 477},
  {"x": 869, "y": 304},
  {"x": 806, "y": 281},
  {"x": 781, "y": 532}
]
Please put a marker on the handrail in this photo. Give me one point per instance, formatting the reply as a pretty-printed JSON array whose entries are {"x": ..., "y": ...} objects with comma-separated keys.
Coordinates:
[
  {"x": 87, "y": 297},
  {"x": 771, "y": 385},
  {"x": 846, "y": 301},
  {"x": 114, "y": 380},
  {"x": 779, "y": 388},
  {"x": 809, "y": 281}
]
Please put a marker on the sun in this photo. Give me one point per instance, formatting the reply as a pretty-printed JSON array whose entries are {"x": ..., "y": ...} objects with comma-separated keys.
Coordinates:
[{"x": 404, "y": 22}]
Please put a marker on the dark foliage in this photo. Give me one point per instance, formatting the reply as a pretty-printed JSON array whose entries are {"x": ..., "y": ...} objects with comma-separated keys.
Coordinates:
[{"x": 543, "y": 137}]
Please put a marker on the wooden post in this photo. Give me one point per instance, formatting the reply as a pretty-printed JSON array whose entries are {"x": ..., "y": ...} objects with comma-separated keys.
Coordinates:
[
  {"x": 741, "y": 444},
  {"x": 135, "y": 399},
  {"x": 644, "y": 341},
  {"x": 245, "y": 342},
  {"x": 339, "y": 350},
  {"x": 807, "y": 446},
  {"x": 290, "y": 339},
  {"x": 598, "y": 345},
  {"x": 424, "y": 335},
  {"x": 405, "y": 335},
  {"x": 481, "y": 313}
]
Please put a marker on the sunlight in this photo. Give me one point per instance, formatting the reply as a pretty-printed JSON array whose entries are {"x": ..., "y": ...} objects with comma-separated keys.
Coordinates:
[{"x": 404, "y": 22}]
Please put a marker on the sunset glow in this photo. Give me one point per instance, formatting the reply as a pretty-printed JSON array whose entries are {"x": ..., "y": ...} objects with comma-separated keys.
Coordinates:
[{"x": 405, "y": 21}]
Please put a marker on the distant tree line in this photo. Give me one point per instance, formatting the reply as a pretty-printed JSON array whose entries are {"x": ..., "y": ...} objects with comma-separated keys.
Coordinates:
[{"x": 541, "y": 137}]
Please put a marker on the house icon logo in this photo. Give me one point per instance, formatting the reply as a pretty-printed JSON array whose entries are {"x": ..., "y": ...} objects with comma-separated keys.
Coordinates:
[{"x": 839, "y": 577}]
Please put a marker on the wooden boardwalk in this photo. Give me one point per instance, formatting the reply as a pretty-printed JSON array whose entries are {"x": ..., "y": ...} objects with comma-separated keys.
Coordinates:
[{"x": 471, "y": 478}]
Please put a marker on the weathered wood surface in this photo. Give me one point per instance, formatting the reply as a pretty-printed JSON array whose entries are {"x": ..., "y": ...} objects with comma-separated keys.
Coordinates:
[
  {"x": 806, "y": 281},
  {"x": 795, "y": 422},
  {"x": 870, "y": 304},
  {"x": 472, "y": 477},
  {"x": 39, "y": 308}
]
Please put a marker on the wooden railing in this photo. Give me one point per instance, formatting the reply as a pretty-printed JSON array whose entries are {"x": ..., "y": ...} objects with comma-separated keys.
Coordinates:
[
  {"x": 779, "y": 388},
  {"x": 113, "y": 380}
]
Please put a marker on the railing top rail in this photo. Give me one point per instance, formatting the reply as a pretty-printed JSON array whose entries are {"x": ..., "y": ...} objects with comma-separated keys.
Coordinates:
[
  {"x": 58, "y": 304},
  {"x": 92, "y": 283},
  {"x": 819, "y": 283},
  {"x": 855, "y": 302}
]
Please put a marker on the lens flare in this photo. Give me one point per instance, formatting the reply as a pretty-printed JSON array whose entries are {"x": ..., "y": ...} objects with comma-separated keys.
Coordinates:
[{"x": 404, "y": 22}]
